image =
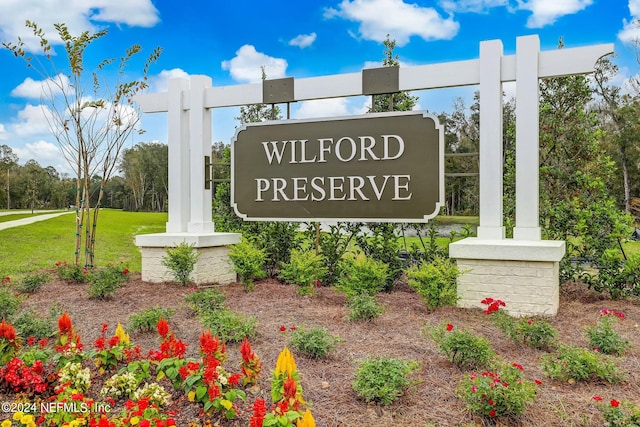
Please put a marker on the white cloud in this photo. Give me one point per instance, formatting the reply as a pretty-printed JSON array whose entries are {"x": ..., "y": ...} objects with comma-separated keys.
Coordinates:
[
  {"x": 333, "y": 107},
  {"x": 32, "y": 120},
  {"x": 630, "y": 32},
  {"x": 246, "y": 65},
  {"x": 45, "y": 153},
  {"x": 160, "y": 82},
  {"x": 400, "y": 20},
  {"x": 546, "y": 12},
  {"x": 79, "y": 16},
  {"x": 303, "y": 40},
  {"x": 634, "y": 8},
  {"x": 36, "y": 89},
  {"x": 4, "y": 135},
  {"x": 473, "y": 6}
]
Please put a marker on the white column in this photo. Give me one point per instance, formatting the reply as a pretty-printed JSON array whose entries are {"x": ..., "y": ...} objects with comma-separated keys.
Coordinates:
[
  {"x": 200, "y": 146},
  {"x": 491, "y": 222},
  {"x": 178, "y": 141},
  {"x": 527, "y": 139}
]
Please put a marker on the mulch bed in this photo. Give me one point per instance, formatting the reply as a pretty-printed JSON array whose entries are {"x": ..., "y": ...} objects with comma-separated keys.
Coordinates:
[{"x": 397, "y": 333}]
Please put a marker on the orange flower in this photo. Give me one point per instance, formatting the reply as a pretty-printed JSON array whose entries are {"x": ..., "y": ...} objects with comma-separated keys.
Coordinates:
[
  {"x": 163, "y": 327},
  {"x": 64, "y": 324},
  {"x": 7, "y": 331}
]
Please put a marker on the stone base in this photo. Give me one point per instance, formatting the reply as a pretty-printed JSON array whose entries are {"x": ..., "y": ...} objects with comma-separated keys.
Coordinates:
[
  {"x": 212, "y": 267},
  {"x": 523, "y": 274}
]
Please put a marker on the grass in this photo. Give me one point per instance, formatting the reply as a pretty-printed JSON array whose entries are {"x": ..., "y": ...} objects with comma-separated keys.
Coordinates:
[{"x": 36, "y": 246}]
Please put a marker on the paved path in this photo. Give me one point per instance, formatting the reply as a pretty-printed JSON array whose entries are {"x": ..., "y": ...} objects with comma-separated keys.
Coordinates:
[{"x": 29, "y": 220}]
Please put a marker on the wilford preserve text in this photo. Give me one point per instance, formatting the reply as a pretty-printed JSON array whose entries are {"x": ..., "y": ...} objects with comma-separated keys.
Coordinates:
[{"x": 378, "y": 167}]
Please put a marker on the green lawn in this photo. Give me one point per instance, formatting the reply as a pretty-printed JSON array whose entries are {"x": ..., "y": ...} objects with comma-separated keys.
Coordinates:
[{"x": 40, "y": 245}]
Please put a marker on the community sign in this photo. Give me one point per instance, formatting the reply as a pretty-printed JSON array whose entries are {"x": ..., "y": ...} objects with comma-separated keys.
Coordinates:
[{"x": 383, "y": 167}]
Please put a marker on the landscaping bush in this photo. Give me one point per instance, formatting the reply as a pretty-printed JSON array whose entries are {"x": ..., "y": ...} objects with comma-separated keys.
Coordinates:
[
  {"x": 303, "y": 270},
  {"x": 382, "y": 244},
  {"x": 32, "y": 282},
  {"x": 103, "y": 283},
  {"x": 364, "y": 307},
  {"x": 362, "y": 275},
  {"x": 536, "y": 333},
  {"x": 435, "y": 282},
  {"x": 229, "y": 325},
  {"x": 332, "y": 245},
  {"x": 146, "y": 320},
  {"x": 276, "y": 240},
  {"x": 382, "y": 380},
  {"x": 29, "y": 323},
  {"x": 315, "y": 342},
  {"x": 248, "y": 261},
  {"x": 579, "y": 364},
  {"x": 603, "y": 337},
  {"x": 617, "y": 276},
  {"x": 181, "y": 261},
  {"x": 203, "y": 301},
  {"x": 9, "y": 303},
  {"x": 462, "y": 348},
  {"x": 501, "y": 392},
  {"x": 71, "y": 272}
]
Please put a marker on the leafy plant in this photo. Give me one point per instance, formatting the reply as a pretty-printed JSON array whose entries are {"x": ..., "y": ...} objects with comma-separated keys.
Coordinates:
[
  {"x": 620, "y": 278},
  {"x": 120, "y": 386},
  {"x": 155, "y": 393},
  {"x": 9, "y": 303},
  {"x": 435, "y": 282},
  {"x": 32, "y": 282},
  {"x": 381, "y": 243},
  {"x": 78, "y": 377},
  {"x": 229, "y": 325},
  {"x": 364, "y": 307},
  {"x": 146, "y": 319},
  {"x": 536, "y": 333},
  {"x": 304, "y": 270},
  {"x": 203, "y": 301},
  {"x": 103, "y": 283},
  {"x": 248, "y": 261},
  {"x": 181, "y": 261},
  {"x": 331, "y": 245},
  {"x": 603, "y": 337},
  {"x": 29, "y": 323},
  {"x": 276, "y": 239},
  {"x": 315, "y": 342},
  {"x": 71, "y": 272},
  {"x": 619, "y": 414},
  {"x": 503, "y": 392},
  {"x": 362, "y": 275},
  {"x": 383, "y": 379},
  {"x": 462, "y": 348},
  {"x": 579, "y": 364}
]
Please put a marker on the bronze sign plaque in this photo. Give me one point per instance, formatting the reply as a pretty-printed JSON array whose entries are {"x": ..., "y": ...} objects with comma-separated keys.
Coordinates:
[{"x": 385, "y": 167}]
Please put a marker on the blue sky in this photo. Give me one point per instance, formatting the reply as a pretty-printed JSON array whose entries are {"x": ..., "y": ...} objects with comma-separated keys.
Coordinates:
[{"x": 231, "y": 40}]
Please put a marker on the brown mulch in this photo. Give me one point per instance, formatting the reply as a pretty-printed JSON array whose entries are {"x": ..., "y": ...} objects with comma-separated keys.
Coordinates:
[{"x": 398, "y": 332}]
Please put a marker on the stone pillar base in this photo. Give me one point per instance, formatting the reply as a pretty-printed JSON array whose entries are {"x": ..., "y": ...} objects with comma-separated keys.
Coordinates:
[
  {"x": 212, "y": 267},
  {"x": 523, "y": 274}
]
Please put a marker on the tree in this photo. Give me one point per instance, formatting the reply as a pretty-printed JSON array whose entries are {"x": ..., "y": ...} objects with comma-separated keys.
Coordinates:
[
  {"x": 8, "y": 160},
  {"x": 399, "y": 101},
  {"x": 146, "y": 175},
  {"x": 90, "y": 117}
]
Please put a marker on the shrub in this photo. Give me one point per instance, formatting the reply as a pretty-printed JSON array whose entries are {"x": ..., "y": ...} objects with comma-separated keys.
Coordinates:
[
  {"x": 276, "y": 240},
  {"x": 103, "y": 283},
  {"x": 304, "y": 269},
  {"x": 364, "y": 307},
  {"x": 618, "y": 414},
  {"x": 71, "y": 272},
  {"x": 435, "y": 282},
  {"x": 462, "y": 348},
  {"x": 180, "y": 261},
  {"x": 9, "y": 303},
  {"x": 580, "y": 364},
  {"x": 621, "y": 278},
  {"x": 229, "y": 325},
  {"x": 382, "y": 244},
  {"x": 248, "y": 261},
  {"x": 146, "y": 319},
  {"x": 603, "y": 337},
  {"x": 331, "y": 245},
  {"x": 500, "y": 393},
  {"x": 203, "y": 301},
  {"x": 316, "y": 342},
  {"x": 536, "y": 333},
  {"x": 29, "y": 323},
  {"x": 32, "y": 282},
  {"x": 362, "y": 275},
  {"x": 383, "y": 379}
]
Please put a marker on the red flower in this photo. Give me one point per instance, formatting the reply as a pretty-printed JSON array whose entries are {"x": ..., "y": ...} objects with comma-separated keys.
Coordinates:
[
  {"x": 517, "y": 365},
  {"x": 171, "y": 422},
  {"x": 7, "y": 331},
  {"x": 245, "y": 350},
  {"x": 113, "y": 341},
  {"x": 105, "y": 326},
  {"x": 283, "y": 328},
  {"x": 145, "y": 423},
  {"x": 6, "y": 279},
  {"x": 64, "y": 323},
  {"x": 125, "y": 271},
  {"x": 259, "y": 411},
  {"x": 163, "y": 327},
  {"x": 615, "y": 403},
  {"x": 293, "y": 328},
  {"x": 99, "y": 343},
  {"x": 234, "y": 379},
  {"x": 597, "y": 398},
  {"x": 214, "y": 391},
  {"x": 492, "y": 413},
  {"x": 449, "y": 327},
  {"x": 538, "y": 382}
]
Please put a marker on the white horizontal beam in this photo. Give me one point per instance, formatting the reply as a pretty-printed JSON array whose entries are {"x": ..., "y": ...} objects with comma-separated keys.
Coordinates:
[{"x": 560, "y": 62}]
